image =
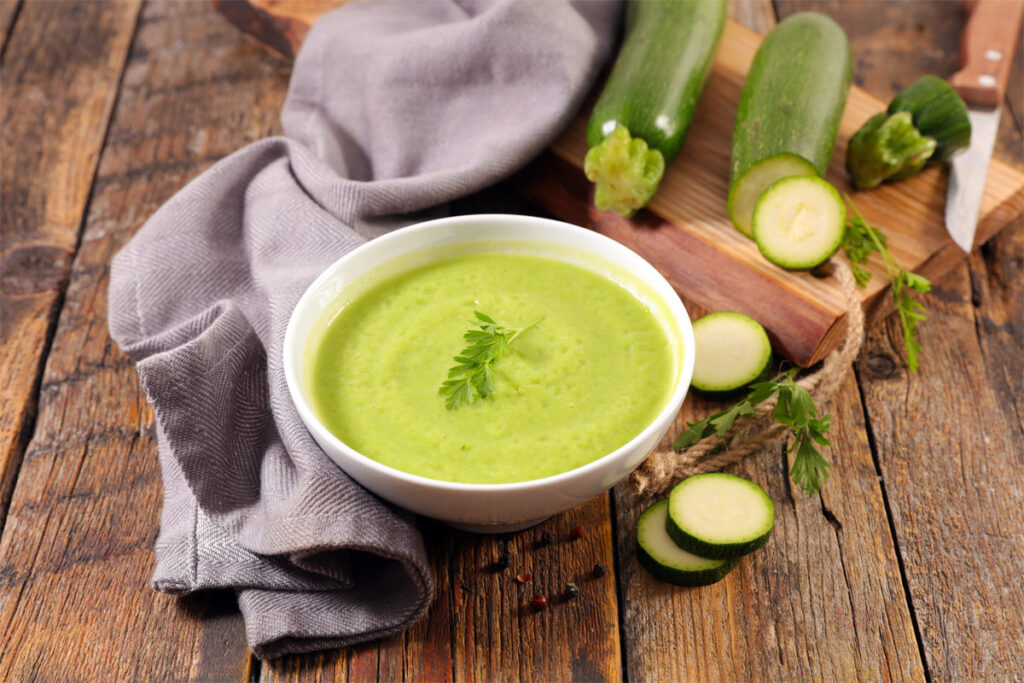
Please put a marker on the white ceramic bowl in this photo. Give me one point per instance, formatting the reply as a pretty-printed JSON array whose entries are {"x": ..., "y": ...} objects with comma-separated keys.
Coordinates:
[{"x": 489, "y": 507}]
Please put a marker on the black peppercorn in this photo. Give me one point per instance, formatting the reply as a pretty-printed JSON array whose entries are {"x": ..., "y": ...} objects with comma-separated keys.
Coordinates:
[
  {"x": 600, "y": 570},
  {"x": 571, "y": 591},
  {"x": 547, "y": 538}
]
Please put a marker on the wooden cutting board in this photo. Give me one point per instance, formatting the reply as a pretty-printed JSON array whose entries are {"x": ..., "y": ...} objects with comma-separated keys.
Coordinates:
[{"x": 685, "y": 232}]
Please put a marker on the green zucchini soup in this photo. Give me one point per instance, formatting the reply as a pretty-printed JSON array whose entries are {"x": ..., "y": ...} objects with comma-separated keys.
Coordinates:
[{"x": 595, "y": 370}]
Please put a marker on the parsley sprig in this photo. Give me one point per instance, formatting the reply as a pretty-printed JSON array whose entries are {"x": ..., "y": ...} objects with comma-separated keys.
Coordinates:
[
  {"x": 473, "y": 376},
  {"x": 795, "y": 409},
  {"x": 860, "y": 241}
]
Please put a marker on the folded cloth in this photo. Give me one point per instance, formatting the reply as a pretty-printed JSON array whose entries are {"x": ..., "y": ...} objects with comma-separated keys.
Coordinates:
[{"x": 393, "y": 107}]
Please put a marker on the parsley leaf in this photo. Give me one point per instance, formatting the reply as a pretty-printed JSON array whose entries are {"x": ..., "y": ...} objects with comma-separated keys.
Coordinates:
[
  {"x": 861, "y": 239},
  {"x": 473, "y": 375},
  {"x": 795, "y": 409}
]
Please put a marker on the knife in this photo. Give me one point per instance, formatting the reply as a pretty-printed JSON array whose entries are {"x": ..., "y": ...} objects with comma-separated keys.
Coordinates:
[{"x": 986, "y": 55}]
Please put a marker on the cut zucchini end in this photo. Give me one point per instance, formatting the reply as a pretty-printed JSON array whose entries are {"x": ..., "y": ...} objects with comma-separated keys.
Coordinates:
[
  {"x": 625, "y": 172},
  {"x": 668, "y": 562},
  {"x": 799, "y": 222},
  {"x": 887, "y": 147},
  {"x": 732, "y": 351},
  {"x": 745, "y": 191},
  {"x": 719, "y": 515}
]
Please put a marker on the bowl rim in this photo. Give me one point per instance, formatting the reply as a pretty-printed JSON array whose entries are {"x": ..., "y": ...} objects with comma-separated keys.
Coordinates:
[{"x": 632, "y": 261}]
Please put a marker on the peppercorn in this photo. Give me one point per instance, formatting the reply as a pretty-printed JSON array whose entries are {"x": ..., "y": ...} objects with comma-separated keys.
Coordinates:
[
  {"x": 539, "y": 602},
  {"x": 571, "y": 591},
  {"x": 523, "y": 578},
  {"x": 599, "y": 570},
  {"x": 504, "y": 561},
  {"x": 547, "y": 538},
  {"x": 576, "y": 531}
]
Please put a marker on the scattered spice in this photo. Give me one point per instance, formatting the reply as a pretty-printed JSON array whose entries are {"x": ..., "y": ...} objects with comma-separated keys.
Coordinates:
[
  {"x": 504, "y": 561},
  {"x": 576, "y": 531},
  {"x": 547, "y": 538},
  {"x": 600, "y": 570},
  {"x": 571, "y": 591},
  {"x": 539, "y": 602},
  {"x": 523, "y": 578}
]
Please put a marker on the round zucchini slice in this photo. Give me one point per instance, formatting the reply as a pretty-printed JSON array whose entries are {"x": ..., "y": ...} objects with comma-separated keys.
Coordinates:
[
  {"x": 732, "y": 352},
  {"x": 743, "y": 193},
  {"x": 719, "y": 515},
  {"x": 799, "y": 222},
  {"x": 668, "y": 562}
]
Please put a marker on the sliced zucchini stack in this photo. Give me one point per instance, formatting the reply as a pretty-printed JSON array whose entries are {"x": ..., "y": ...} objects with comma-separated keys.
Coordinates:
[
  {"x": 697, "y": 535},
  {"x": 732, "y": 352},
  {"x": 799, "y": 222},
  {"x": 719, "y": 516},
  {"x": 665, "y": 560}
]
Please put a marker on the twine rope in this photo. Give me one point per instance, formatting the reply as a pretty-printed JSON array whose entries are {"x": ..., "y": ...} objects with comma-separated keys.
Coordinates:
[{"x": 665, "y": 467}]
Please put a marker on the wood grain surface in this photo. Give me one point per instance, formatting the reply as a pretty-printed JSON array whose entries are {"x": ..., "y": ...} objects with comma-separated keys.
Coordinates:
[
  {"x": 905, "y": 567},
  {"x": 53, "y": 117},
  {"x": 76, "y": 552}
]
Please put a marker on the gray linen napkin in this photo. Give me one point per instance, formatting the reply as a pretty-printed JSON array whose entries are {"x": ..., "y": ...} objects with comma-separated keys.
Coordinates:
[{"x": 393, "y": 107}]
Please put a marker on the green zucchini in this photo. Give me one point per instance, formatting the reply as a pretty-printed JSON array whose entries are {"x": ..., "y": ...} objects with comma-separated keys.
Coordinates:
[
  {"x": 789, "y": 110},
  {"x": 926, "y": 122},
  {"x": 668, "y": 562},
  {"x": 643, "y": 113},
  {"x": 731, "y": 352},
  {"x": 719, "y": 516},
  {"x": 799, "y": 222}
]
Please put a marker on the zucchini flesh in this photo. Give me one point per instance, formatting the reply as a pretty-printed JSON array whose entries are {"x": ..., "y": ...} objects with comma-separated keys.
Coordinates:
[
  {"x": 650, "y": 97},
  {"x": 719, "y": 515},
  {"x": 886, "y": 148},
  {"x": 758, "y": 178},
  {"x": 667, "y": 561},
  {"x": 732, "y": 351},
  {"x": 791, "y": 103},
  {"x": 799, "y": 222}
]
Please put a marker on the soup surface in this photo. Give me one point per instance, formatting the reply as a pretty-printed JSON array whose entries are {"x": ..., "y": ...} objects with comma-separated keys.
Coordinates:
[{"x": 586, "y": 380}]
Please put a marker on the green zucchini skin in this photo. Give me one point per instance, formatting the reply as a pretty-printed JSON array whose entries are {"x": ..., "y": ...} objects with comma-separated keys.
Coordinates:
[
  {"x": 794, "y": 95},
  {"x": 665, "y": 58},
  {"x": 938, "y": 112},
  {"x": 643, "y": 113},
  {"x": 651, "y": 532}
]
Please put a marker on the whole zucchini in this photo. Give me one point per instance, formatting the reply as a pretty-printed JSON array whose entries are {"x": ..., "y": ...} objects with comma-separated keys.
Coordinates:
[
  {"x": 645, "y": 109},
  {"x": 789, "y": 110}
]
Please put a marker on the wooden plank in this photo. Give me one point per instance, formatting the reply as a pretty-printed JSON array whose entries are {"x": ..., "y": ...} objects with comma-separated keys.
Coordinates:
[
  {"x": 8, "y": 14},
  {"x": 76, "y": 556},
  {"x": 949, "y": 451},
  {"x": 60, "y": 75},
  {"x": 279, "y": 26}
]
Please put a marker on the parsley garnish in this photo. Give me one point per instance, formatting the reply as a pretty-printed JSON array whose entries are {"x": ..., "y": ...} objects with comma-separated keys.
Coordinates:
[
  {"x": 862, "y": 239},
  {"x": 795, "y": 408},
  {"x": 473, "y": 375}
]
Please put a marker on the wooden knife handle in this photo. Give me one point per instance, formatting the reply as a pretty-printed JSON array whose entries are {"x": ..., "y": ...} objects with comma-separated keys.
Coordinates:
[{"x": 987, "y": 50}]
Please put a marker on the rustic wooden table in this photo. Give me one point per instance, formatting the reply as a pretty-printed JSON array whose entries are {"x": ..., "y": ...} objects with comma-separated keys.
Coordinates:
[{"x": 907, "y": 566}]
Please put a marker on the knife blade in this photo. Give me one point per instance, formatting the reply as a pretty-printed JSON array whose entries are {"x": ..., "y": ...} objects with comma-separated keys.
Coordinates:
[{"x": 986, "y": 54}]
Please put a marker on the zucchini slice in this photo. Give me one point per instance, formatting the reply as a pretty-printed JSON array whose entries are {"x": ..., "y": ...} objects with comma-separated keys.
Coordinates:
[
  {"x": 668, "y": 562},
  {"x": 732, "y": 352},
  {"x": 719, "y": 515},
  {"x": 643, "y": 113},
  {"x": 745, "y": 192},
  {"x": 791, "y": 104},
  {"x": 799, "y": 222}
]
